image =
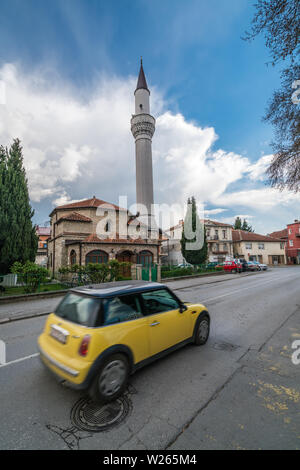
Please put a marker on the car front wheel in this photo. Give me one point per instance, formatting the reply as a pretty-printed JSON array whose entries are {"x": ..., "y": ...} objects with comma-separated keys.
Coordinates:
[
  {"x": 111, "y": 380},
  {"x": 202, "y": 331}
]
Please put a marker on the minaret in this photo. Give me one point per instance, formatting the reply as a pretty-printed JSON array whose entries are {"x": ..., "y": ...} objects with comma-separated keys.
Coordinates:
[{"x": 142, "y": 128}]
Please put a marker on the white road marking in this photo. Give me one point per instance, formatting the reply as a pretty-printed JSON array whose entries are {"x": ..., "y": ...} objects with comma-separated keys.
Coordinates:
[
  {"x": 244, "y": 288},
  {"x": 19, "y": 360}
]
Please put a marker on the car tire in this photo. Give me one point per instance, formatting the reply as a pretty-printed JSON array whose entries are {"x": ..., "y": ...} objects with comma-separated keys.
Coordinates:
[
  {"x": 233, "y": 271},
  {"x": 111, "y": 379},
  {"x": 202, "y": 331}
]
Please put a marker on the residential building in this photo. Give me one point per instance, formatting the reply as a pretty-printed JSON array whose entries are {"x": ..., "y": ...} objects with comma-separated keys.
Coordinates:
[
  {"x": 219, "y": 241},
  {"x": 171, "y": 246},
  {"x": 293, "y": 245},
  {"x": 255, "y": 247},
  {"x": 43, "y": 234}
]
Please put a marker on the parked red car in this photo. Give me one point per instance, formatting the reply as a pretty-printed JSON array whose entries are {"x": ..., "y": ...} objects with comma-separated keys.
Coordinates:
[{"x": 233, "y": 267}]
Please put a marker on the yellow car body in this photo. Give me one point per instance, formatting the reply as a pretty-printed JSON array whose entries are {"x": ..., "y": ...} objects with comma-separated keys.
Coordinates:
[{"x": 75, "y": 352}]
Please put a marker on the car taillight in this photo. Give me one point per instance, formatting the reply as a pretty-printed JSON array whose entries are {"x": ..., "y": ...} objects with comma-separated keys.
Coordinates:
[{"x": 83, "y": 350}]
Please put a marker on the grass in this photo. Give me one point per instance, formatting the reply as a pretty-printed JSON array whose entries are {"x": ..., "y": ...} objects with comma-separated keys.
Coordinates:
[{"x": 20, "y": 290}]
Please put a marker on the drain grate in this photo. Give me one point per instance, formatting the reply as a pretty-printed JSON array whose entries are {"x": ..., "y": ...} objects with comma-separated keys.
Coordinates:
[{"x": 89, "y": 416}]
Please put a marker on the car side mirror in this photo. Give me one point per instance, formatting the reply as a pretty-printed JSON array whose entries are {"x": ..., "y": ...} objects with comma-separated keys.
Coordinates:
[{"x": 182, "y": 308}]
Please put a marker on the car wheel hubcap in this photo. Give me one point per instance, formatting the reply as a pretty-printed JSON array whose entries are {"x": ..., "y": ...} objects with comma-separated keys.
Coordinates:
[
  {"x": 112, "y": 377},
  {"x": 203, "y": 330}
]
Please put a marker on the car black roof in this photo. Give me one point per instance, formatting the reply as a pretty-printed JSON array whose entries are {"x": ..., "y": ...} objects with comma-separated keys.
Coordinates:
[{"x": 108, "y": 289}]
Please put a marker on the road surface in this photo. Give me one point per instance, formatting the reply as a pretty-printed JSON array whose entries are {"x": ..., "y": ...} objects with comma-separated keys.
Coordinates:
[{"x": 239, "y": 391}]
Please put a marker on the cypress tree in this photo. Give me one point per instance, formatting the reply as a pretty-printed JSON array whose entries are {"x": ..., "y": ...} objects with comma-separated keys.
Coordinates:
[
  {"x": 199, "y": 255},
  {"x": 18, "y": 239},
  {"x": 238, "y": 224}
]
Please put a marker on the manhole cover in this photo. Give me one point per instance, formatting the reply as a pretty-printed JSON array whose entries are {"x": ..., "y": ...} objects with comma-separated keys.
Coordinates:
[
  {"x": 225, "y": 346},
  {"x": 90, "y": 416}
]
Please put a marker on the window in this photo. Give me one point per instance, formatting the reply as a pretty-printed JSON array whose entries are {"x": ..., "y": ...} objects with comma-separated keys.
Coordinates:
[
  {"x": 291, "y": 242},
  {"x": 290, "y": 231},
  {"x": 224, "y": 233},
  {"x": 225, "y": 246},
  {"x": 248, "y": 246},
  {"x": 79, "y": 309},
  {"x": 282, "y": 244},
  {"x": 261, "y": 246},
  {"x": 73, "y": 257},
  {"x": 145, "y": 258},
  {"x": 159, "y": 301},
  {"x": 96, "y": 256},
  {"x": 208, "y": 233},
  {"x": 121, "y": 308}
]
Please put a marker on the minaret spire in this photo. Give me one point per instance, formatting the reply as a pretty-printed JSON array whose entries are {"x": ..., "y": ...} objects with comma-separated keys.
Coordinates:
[
  {"x": 143, "y": 128},
  {"x": 142, "y": 83}
]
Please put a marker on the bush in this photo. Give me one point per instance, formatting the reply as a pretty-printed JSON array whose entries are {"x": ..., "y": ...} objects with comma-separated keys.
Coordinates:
[
  {"x": 30, "y": 275},
  {"x": 95, "y": 273}
]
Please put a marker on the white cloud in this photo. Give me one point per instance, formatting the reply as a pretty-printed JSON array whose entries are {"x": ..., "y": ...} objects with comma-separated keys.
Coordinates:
[
  {"x": 257, "y": 171},
  {"x": 78, "y": 143},
  {"x": 214, "y": 211}
]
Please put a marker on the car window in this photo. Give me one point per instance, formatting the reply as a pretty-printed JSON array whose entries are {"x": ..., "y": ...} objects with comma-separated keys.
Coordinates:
[
  {"x": 159, "y": 301},
  {"x": 121, "y": 308},
  {"x": 79, "y": 309}
]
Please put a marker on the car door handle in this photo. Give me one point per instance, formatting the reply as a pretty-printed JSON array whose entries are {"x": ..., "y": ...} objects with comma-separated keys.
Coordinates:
[{"x": 155, "y": 323}]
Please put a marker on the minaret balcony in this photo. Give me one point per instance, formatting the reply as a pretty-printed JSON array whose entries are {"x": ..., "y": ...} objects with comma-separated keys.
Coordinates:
[{"x": 142, "y": 126}]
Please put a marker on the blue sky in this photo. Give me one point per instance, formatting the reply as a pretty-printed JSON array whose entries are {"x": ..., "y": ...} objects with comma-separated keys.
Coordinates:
[{"x": 197, "y": 67}]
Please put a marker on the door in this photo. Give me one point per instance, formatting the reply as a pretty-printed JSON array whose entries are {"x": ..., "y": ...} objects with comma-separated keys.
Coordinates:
[
  {"x": 125, "y": 257},
  {"x": 167, "y": 326}
]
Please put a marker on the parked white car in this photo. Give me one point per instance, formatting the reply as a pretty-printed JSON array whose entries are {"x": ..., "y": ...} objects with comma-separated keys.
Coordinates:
[
  {"x": 184, "y": 265},
  {"x": 262, "y": 266}
]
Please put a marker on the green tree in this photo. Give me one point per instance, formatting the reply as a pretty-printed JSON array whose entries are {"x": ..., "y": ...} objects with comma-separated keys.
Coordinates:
[
  {"x": 278, "y": 21},
  {"x": 18, "y": 239},
  {"x": 192, "y": 222},
  {"x": 246, "y": 226},
  {"x": 238, "y": 224}
]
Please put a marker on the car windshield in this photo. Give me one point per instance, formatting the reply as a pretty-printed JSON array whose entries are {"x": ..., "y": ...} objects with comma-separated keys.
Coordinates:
[{"x": 79, "y": 309}]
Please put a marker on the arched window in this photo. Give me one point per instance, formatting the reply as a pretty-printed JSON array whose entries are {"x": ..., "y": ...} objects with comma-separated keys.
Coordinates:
[
  {"x": 96, "y": 256},
  {"x": 145, "y": 258},
  {"x": 73, "y": 257}
]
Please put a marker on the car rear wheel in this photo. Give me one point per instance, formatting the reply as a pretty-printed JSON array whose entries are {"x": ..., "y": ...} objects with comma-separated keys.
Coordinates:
[
  {"x": 111, "y": 379},
  {"x": 202, "y": 331}
]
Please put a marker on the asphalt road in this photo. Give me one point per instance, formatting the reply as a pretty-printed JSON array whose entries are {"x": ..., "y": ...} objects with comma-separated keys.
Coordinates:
[{"x": 239, "y": 391}]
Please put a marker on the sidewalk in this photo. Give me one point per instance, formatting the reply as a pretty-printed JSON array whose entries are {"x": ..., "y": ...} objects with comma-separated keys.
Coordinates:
[{"x": 258, "y": 406}]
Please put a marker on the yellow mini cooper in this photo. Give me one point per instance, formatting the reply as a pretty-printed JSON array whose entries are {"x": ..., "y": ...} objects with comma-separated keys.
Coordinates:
[{"x": 101, "y": 334}]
